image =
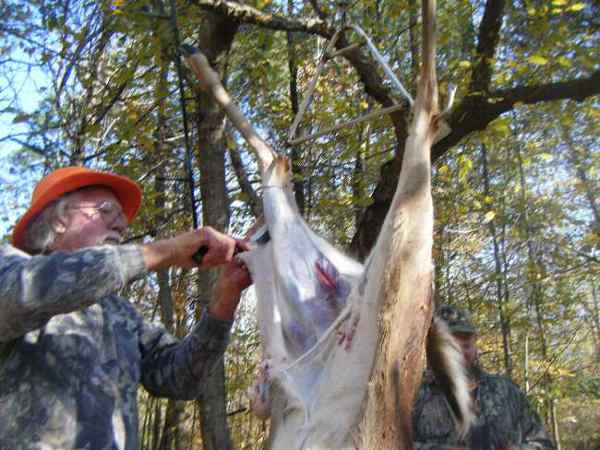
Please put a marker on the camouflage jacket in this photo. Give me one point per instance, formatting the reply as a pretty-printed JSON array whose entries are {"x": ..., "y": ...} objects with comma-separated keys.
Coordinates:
[
  {"x": 505, "y": 418},
  {"x": 72, "y": 353}
]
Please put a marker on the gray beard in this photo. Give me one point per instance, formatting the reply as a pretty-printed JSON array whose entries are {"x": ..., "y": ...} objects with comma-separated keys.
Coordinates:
[{"x": 474, "y": 370}]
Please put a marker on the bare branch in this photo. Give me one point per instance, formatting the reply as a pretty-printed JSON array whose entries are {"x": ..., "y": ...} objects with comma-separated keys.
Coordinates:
[{"x": 245, "y": 184}]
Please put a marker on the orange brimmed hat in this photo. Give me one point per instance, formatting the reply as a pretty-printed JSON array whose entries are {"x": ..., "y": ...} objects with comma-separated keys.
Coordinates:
[{"x": 69, "y": 179}]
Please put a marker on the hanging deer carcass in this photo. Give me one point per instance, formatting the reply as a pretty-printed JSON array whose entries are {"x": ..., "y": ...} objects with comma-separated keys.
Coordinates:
[{"x": 344, "y": 341}]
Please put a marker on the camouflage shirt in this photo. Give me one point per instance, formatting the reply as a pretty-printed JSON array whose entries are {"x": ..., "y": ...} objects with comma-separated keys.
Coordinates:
[
  {"x": 72, "y": 353},
  {"x": 505, "y": 418}
]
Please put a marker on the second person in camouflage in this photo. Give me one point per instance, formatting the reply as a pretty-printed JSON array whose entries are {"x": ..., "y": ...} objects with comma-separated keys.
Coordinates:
[{"x": 505, "y": 420}]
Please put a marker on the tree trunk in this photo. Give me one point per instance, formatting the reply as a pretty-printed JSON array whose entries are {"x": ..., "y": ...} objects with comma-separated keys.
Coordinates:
[
  {"x": 595, "y": 313},
  {"x": 536, "y": 299},
  {"x": 499, "y": 276},
  {"x": 216, "y": 35},
  {"x": 296, "y": 152},
  {"x": 170, "y": 429}
]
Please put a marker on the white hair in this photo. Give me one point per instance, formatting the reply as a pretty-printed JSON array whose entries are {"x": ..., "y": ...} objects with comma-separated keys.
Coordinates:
[{"x": 39, "y": 236}]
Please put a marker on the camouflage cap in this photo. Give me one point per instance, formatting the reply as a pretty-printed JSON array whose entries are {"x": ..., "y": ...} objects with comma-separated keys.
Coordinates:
[{"x": 459, "y": 321}]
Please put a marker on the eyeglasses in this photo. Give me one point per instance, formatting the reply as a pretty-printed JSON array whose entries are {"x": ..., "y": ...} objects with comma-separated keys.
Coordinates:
[{"x": 109, "y": 211}]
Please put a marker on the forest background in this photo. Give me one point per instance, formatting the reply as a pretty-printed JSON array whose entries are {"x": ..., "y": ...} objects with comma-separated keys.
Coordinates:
[{"x": 515, "y": 183}]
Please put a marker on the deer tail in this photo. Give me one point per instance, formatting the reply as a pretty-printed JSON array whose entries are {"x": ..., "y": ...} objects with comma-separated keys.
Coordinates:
[{"x": 447, "y": 363}]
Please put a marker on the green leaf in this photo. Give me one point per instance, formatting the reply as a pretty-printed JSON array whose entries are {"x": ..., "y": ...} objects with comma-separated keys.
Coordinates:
[{"x": 20, "y": 118}]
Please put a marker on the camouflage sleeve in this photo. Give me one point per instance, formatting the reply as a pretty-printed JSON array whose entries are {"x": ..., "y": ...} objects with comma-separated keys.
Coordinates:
[
  {"x": 534, "y": 433},
  {"x": 420, "y": 441},
  {"x": 33, "y": 289},
  {"x": 178, "y": 369},
  {"x": 427, "y": 446}
]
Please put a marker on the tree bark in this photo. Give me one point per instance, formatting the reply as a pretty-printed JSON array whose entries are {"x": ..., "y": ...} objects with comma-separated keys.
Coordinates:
[
  {"x": 169, "y": 438},
  {"x": 296, "y": 153},
  {"x": 216, "y": 36}
]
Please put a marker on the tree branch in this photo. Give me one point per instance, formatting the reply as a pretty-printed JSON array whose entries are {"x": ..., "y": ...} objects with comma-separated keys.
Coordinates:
[
  {"x": 487, "y": 41},
  {"x": 249, "y": 15},
  {"x": 475, "y": 112}
]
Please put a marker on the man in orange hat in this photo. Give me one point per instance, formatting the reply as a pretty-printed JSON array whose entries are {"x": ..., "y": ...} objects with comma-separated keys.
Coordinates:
[{"x": 72, "y": 352}]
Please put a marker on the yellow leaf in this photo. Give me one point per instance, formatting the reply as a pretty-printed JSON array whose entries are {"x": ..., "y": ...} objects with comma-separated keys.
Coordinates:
[
  {"x": 546, "y": 156},
  {"x": 489, "y": 216},
  {"x": 537, "y": 60},
  {"x": 364, "y": 105},
  {"x": 488, "y": 200},
  {"x": 444, "y": 170},
  {"x": 501, "y": 125},
  {"x": 576, "y": 7},
  {"x": 531, "y": 11},
  {"x": 464, "y": 64},
  {"x": 563, "y": 61},
  {"x": 559, "y": 2}
]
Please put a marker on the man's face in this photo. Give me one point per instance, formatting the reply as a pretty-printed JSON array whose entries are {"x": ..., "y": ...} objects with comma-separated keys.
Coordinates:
[
  {"x": 468, "y": 347},
  {"x": 93, "y": 217}
]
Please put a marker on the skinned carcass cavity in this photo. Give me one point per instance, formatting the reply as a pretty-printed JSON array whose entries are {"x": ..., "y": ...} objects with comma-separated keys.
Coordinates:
[{"x": 302, "y": 282}]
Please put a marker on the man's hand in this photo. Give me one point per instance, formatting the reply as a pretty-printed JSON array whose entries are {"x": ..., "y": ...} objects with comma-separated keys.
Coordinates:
[
  {"x": 221, "y": 248},
  {"x": 233, "y": 280},
  {"x": 178, "y": 251}
]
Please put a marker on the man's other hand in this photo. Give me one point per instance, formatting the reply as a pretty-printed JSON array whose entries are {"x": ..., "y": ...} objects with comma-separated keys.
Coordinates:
[{"x": 234, "y": 278}]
